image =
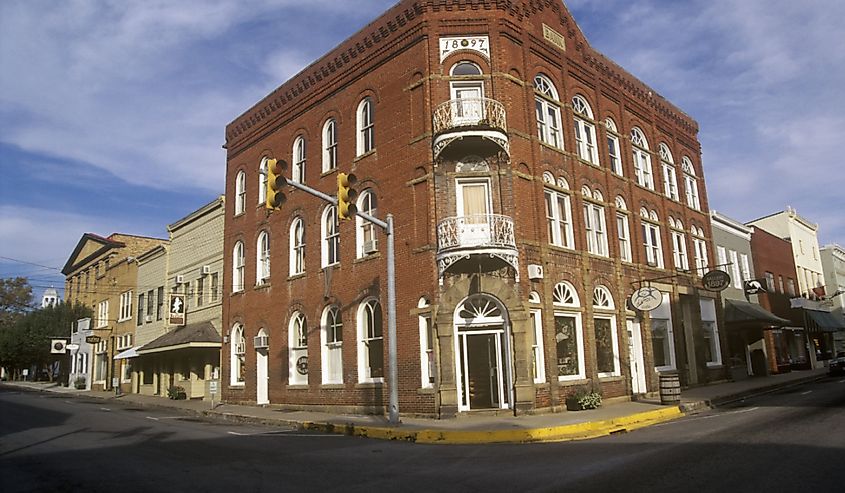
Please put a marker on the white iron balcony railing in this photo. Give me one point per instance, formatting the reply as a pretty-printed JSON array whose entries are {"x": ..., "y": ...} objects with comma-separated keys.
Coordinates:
[
  {"x": 470, "y": 112},
  {"x": 475, "y": 231}
]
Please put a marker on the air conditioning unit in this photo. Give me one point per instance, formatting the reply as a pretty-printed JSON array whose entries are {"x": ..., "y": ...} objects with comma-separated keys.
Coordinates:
[
  {"x": 370, "y": 247},
  {"x": 261, "y": 342},
  {"x": 148, "y": 318},
  {"x": 535, "y": 271},
  {"x": 180, "y": 279},
  {"x": 206, "y": 270},
  {"x": 240, "y": 348}
]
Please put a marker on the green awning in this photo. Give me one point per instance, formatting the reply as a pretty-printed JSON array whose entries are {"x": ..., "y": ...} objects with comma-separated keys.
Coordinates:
[
  {"x": 737, "y": 311},
  {"x": 826, "y": 321}
]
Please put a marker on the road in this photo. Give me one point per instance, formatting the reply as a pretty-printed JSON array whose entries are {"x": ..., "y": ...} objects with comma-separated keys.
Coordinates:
[{"x": 792, "y": 440}]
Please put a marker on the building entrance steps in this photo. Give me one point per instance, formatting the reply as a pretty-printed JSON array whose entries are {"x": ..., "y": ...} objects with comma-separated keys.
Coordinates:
[{"x": 611, "y": 418}]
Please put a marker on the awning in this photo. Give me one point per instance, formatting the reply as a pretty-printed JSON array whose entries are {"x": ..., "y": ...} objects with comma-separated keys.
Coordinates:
[
  {"x": 129, "y": 353},
  {"x": 826, "y": 321},
  {"x": 198, "y": 335},
  {"x": 737, "y": 311}
]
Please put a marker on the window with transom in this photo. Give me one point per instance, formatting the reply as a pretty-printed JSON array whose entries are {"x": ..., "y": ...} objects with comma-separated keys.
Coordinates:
[
  {"x": 558, "y": 212},
  {"x": 604, "y": 324},
  {"x": 297, "y": 247},
  {"x": 332, "y": 347},
  {"x": 331, "y": 237},
  {"x": 366, "y": 127},
  {"x": 299, "y": 160},
  {"x": 547, "y": 109},
  {"x": 614, "y": 149},
  {"x": 679, "y": 244},
  {"x": 670, "y": 177},
  {"x": 568, "y": 332},
  {"x": 237, "y": 354},
  {"x": 238, "y": 262},
  {"x": 642, "y": 159},
  {"x": 623, "y": 230},
  {"x": 652, "y": 244},
  {"x": 595, "y": 226},
  {"x": 690, "y": 184},
  {"x": 240, "y": 193},
  {"x": 585, "y": 131},
  {"x": 699, "y": 244},
  {"x": 298, "y": 344},
  {"x": 329, "y": 145},
  {"x": 370, "y": 342},
  {"x": 262, "y": 261},
  {"x": 366, "y": 239}
]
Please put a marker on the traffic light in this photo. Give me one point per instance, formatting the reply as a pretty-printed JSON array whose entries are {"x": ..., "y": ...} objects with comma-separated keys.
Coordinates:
[
  {"x": 275, "y": 183},
  {"x": 346, "y": 207}
]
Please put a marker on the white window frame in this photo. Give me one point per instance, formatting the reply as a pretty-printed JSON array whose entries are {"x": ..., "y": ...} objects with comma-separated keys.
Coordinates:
[
  {"x": 746, "y": 267},
  {"x": 642, "y": 159},
  {"x": 330, "y": 233},
  {"x": 652, "y": 244},
  {"x": 614, "y": 148},
  {"x": 366, "y": 335},
  {"x": 329, "y": 145},
  {"x": 331, "y": 344},
  {"x": 238, "y": 262},
  {"x": 664, "y": 312},
  {"x": 102, "y": 314},
  {"x": 735, "y": 269},
  {"x": 623, "y": 232},
  {"x": 537, "y": 347},
  {"x": 585, "y": 130},
  {"x": 547, "y": 112},
  {"x": 428, "y": 364},
  {"x": 595, "y": 226},
  {"x": 558, "y": 222},
  {"x": 298, "y": 347},
  {"x": 236, "y": 361},
  {"x": 670, "y": 176},
  {"x": 711, "y": 332},
  {"x": 365, "y": 230},
  {"x": 690, "y": 184},
  {"x": 299, "y": 154},
  {"x": 566, "y": 304},
  {"x": 297, "y": 247},
  {"x": 700, "y": 248},
  {"x": 603, "y": 309},
  {"x": 125, "y": 306},
  {"x": 679, "y": 250},
  {"x": 262, "y": 259},
  {"x": 365, "y": 127},
  {"x": 240, "y": 193},
  {"x": 262, "y": 181}
]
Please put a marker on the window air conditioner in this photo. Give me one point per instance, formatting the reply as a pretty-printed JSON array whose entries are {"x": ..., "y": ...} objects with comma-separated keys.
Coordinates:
[
  {"x": 262, "y": 342},
  {"x": 535, "y": 271},
  {"x": 206, "y": 269},
  {"x": 148, "y": 318},
  {"x": 370, "y": 247},
  {"x": 240, "y": 348},
  {"x": 180, "y": 279}
]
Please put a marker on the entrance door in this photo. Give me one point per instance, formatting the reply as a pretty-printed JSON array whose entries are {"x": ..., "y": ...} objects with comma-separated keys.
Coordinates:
[
  {"x": 468, "y": 108},
  {"x": 635, "y": 355},
  {"x": 482, "y": 359},
  {"x": 473, "y": 207},
  {"x": 261, "y": 377}
]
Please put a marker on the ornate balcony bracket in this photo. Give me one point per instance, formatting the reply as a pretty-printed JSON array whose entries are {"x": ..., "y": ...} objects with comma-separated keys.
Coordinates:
[
  {"x": 479, "y": 235},
  {"x": 457, "y": 119}
]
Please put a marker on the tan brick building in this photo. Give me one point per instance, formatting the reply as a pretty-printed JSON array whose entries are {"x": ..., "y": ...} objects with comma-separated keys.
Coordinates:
[{"x": 534, "y": 184}]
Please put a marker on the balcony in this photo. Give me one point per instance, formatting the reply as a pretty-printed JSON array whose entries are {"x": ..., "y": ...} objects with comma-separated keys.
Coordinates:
[
  {"x": 480, "y": 242},
  {"x": 480, "y": 119}
]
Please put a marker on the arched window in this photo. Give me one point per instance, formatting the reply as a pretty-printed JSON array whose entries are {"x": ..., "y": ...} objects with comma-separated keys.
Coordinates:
[
  {"x": 568, "y": 332},
  {"x": 607, "y": 343},
  {"x": 623, "y": 229},
  {"x": 238, "y": 267},
  {"x": 465, "y": 68},
  {"x": 670, "y": 177},
  {"x": 370, "y": 342},
  {"x": 331, "y": 237},
  {"x": 679, "y": 244},
  {"x": 262, "y": 261},
  {"x": 237, "y": 353},
  {"x": 299, "y": 160},
  {"x": 585, "y": 130},
  {"x": 366, "y": 240},
  {"x": 366, "y": 127},
  {"x": 614, "y": 150},
  {"x": 558, "y": 211},
  {"x": 547, "y": 108},
  {"x": 297, "y": 247},
  {"x": 298, "y": 344},
  {"x": 329, "y": 145},
  {"x": 240, "y": 193},
  {"x": 331, "y": 336},
  {"x": 262, "y": 182},
  {"x": 595, "y": 224},
  {"x": 690, "y": 184},
  {"x": 699, "y": 246},
  {"x": 642, "y": 159},
  {"x": 652, "y": 243}
]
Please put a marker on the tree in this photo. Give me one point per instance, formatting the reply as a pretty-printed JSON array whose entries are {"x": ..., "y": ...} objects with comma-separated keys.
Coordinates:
[{"x": 15, "y": 299}]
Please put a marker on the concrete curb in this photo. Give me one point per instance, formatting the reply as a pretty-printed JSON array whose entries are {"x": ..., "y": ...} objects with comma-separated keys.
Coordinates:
[{"x": 577, "y": 431}]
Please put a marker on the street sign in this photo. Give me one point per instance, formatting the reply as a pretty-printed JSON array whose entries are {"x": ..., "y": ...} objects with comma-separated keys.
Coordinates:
[
  {"x": 177, "y": 309},
  {"x": 72, "y": 347},
  {"x": 646, "y": 299},
  {"x": 93, "y": 339},
  {"x": 716, "y": 280},
  {"x": 212, "y": 387}
]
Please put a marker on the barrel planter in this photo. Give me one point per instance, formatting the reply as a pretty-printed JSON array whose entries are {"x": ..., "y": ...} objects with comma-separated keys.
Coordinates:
[{"x": 670, "y": 388}]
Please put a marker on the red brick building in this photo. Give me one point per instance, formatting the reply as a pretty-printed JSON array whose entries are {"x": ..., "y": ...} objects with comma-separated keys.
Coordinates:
[{"x": 534, "y": 184}]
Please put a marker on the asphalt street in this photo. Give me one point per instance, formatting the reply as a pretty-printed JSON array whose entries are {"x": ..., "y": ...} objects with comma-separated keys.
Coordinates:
[{"x": 792, "y": 440}]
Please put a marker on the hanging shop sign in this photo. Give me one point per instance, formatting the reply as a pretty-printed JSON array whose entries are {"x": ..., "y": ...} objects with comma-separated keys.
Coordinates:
[
  {"x": 646, "y": 299},
  {"x": 716, "y": 280}
]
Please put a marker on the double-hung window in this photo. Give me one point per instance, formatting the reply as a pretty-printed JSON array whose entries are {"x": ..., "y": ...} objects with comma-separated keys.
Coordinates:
[
  {"x": 331, "y": 237},
  {"x": 299, "y": 160},
  {"x": 614, "y": 150},
  {"x": 125, "y": 306},
  {"x": 427, "y": 359},
  {"x": 679, "y": 250},
  {"x": 585, "y": 131},
  {"x": 690, "y": 184},
  {"x": 558, "y": 212},
  {"x": 642, "y": 159},
  {"x": 604, "y": 324},
  {"x": 568, "y": 332},
  {"x": 651, "y": 239},
  {"x": 329, "y": 145},
  {"x": 262, "y": 271},
  {"x": 262, "y": 182},
  {"x": 367, "y": 240},
  {"x": 547, "y": 108},
  {"x": 366, "y": 127},
  {"x": 298, "y": 343},
  {"x": 332, "y": 338},
  {"x": 670, "y": 177},
  {"x": 240, "y": 193},
  {"x": 371, "y": 342},
  {"x": 297, "y": 247},
  {"x": 238, "y": 271},
  {"x": 595, "y": 227},
  {"x": 700, "y": 249}
]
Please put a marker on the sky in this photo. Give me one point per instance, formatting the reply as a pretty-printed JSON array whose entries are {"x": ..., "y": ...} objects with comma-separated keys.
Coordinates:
[{"x": 112, "y": 112}]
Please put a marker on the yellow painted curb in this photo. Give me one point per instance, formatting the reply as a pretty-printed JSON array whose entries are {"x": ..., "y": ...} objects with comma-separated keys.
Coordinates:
[{"x": 578, "y": 431}]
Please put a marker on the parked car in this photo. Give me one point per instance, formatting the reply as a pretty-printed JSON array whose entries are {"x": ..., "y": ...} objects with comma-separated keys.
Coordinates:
[{"x": 836, "y": 366}]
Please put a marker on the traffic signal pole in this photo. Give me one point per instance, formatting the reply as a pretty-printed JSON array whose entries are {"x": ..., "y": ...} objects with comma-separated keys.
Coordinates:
[{"x": 392, "y": 371}]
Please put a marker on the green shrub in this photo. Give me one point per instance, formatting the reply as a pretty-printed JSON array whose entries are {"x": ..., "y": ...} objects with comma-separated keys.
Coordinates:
[
  {"x": 79, "y": 383},
  {"x": 584, "y": 397},
  {"x": 177, "y": 393}
]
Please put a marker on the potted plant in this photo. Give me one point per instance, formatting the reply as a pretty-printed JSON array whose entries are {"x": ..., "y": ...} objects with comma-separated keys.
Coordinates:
[
  {"x": 583, "y": 397},
  {"x": 79, "y": 383},
  {"x": 177, "y": 393}
]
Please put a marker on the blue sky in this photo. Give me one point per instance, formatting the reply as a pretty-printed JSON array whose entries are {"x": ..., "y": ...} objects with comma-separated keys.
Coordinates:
[{"x": 112, "y": 112}]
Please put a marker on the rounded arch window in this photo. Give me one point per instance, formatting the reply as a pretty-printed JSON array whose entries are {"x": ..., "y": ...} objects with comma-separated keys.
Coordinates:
[
  {"x": 465, "y": 68},
  {"x": 602, "y": 298},
  {"x": 564, "y": 294},
  {"x": 480, "y": 309}
]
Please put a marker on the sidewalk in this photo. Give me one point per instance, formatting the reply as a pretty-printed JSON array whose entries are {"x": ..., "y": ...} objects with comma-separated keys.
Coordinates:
[{"x": 472, "y": 428}]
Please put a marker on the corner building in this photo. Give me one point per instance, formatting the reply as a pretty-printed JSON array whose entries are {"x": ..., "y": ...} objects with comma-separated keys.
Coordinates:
[{"x": 534, "y": 185}]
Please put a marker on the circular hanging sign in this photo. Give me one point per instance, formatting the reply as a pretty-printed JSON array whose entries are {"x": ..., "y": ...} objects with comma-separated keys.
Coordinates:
[
  {"x": 302, "y": 365},
  {"x": 646, "y": 299},
  {"x": 716, "y": 280}
]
